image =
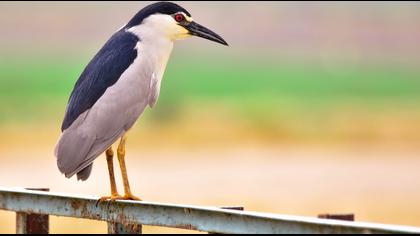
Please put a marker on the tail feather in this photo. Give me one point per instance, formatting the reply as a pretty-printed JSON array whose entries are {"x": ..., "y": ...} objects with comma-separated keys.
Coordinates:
[
  {"x": 85, "y": 173},
  {"x": 75, "y": 152},
  {"x": 71, "y": 151}
]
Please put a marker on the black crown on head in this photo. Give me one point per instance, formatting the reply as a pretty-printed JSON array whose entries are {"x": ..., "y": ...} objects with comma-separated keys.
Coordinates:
[{"x": 167, "y": 8}]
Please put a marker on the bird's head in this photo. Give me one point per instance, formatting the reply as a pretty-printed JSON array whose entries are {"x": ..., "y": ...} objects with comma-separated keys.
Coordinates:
[{"x": 172, "y": 21}]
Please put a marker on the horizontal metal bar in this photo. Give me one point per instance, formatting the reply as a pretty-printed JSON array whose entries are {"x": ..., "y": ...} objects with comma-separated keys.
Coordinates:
[{"x": 208, "y": 219}]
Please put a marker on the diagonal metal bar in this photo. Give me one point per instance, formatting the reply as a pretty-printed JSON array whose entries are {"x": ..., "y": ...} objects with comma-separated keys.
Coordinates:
[{"x": 208, "y": 219}]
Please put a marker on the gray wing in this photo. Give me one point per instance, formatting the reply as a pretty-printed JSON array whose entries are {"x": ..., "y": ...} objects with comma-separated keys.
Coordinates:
[
  {"x": 103, "y": 71},
  {"x": 99, "y": 126},
  {"x": 76, "y": 151}
]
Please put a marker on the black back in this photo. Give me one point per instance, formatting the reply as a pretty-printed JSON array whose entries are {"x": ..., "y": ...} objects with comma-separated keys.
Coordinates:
[
  {"x": 103, "y": 71},
  {"x": 109, "y": 63}
]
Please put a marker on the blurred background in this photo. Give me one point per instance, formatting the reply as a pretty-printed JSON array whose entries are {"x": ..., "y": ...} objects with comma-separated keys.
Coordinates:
[{"x": 314, "y": 108}]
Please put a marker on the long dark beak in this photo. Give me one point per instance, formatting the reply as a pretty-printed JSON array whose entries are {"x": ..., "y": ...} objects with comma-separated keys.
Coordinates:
[{"x": 201, "y": 31}]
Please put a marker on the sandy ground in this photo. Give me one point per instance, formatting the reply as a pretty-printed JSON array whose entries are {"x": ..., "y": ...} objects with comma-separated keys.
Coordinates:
[{"x": 377, "y": 185}]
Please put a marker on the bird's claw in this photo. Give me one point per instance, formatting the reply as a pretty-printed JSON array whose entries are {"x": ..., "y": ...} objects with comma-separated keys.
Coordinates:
[
  {"x": 130, "y": 197},
  {"x": 114, "y": 198},
  {"x": 108, "y": 199}
]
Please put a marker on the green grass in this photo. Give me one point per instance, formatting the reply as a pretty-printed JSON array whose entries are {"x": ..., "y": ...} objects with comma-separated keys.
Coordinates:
[{"x": 39, "y": 87}]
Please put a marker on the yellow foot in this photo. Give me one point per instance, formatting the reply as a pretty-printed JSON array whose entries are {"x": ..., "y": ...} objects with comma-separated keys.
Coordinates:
[
  {"x": 117, "y": 197},
  {"x": 108, "y": 198},
  {"x": 130, "y": 197}
]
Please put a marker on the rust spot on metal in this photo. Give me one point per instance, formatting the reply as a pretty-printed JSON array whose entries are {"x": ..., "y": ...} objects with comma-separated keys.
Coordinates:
[
  {"x": 187, "y": 211},
  {"x": 37, "y": 224},
  {"x": 186, "y": 226},
  {"x": 84, "y": 209},
  {"x": 346, "y": 217},
  {"x": 233, "y": 208},
  {"x": 39, "y": 189},
  {"x": 120, "y": 222},
  {"x": 75, "y": 205},
  {"x": 120, "y": 228},
  {"x": 32, "y": 223}
]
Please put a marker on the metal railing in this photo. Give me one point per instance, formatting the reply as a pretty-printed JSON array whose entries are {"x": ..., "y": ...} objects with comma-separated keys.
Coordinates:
[{"x": 33, "y": 207}]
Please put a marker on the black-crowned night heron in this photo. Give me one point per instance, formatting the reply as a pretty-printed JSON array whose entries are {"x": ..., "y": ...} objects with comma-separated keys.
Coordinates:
[{"x": 117, "y": 85}]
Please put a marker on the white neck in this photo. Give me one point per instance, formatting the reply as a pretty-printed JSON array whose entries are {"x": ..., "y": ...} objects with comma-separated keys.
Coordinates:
[
  {"x": 154, "y": 48},
  {"x": 157, "y": 34}
]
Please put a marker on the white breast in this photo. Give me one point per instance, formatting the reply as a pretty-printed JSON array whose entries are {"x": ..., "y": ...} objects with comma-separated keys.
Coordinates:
[
  {"x": 138, "y": 86},
  {"x": 122, "y": 104},
  {"x": 155, "y": 55},
  {"x": 154, "y": 49}
]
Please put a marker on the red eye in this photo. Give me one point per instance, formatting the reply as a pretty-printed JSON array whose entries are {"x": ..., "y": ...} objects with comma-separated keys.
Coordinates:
[{"x": 179, "y": 17}]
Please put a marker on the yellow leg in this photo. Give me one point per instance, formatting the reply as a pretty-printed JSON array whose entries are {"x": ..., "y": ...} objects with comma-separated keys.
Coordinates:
[
  {"x": 121, "y": 159},
  {"x": 109, "y": 160},
  {"x": 114, "y": 193}
]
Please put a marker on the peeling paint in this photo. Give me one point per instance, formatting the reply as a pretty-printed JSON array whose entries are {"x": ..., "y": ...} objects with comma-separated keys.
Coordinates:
[{"x": 129, "y": 215}]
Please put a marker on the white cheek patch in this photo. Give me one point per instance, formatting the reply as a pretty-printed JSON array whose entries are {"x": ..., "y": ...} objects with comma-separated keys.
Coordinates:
[{"x": 160, "y": 25}]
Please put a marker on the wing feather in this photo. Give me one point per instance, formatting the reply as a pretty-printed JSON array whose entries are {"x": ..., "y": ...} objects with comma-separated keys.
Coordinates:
[
  {"x": 82, "y": 139},
  {"x": 103, "y": 71}
]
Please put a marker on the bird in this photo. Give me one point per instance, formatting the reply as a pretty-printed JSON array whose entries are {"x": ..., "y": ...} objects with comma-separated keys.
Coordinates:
[{"x": 115, "y": 88}]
